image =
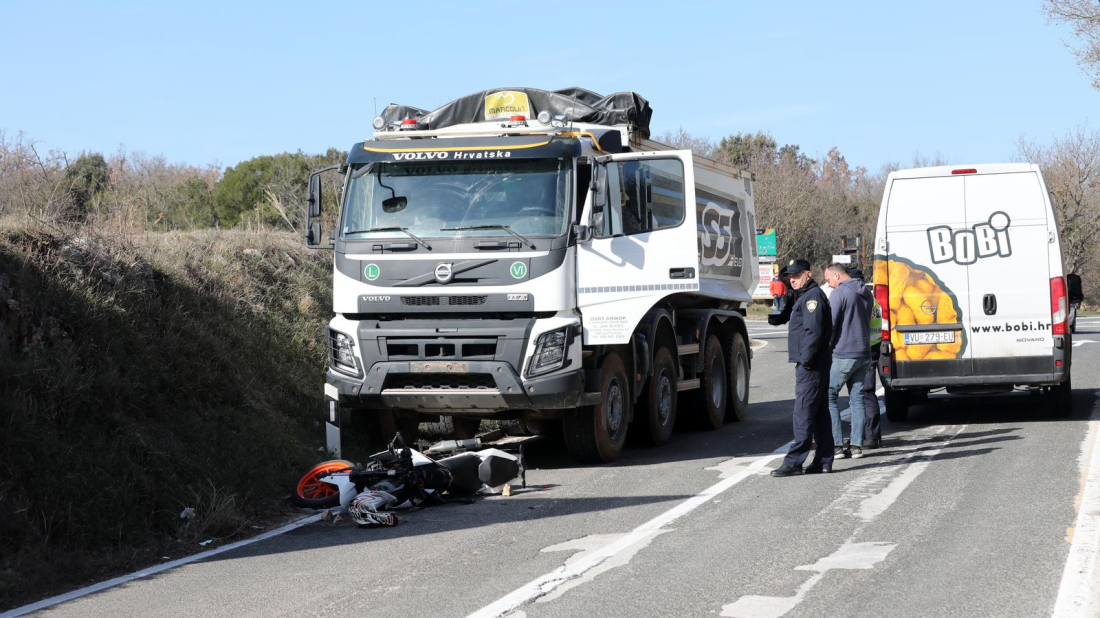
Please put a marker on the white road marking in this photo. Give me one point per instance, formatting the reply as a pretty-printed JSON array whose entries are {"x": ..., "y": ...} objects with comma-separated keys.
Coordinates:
[
  {"x": 849, "y": 556},
  {"x": 548, "y": 583},
  {"x": 881, "y": 391},
  {"x": 1082, "y": 342},
  {"x": 758, "y": 344},
  {"x": 1079, "y": 592},
  {"x": 591, "y": 543},
  {"x": 75, "y": 594},
  {"x": 873, "y": 492}
]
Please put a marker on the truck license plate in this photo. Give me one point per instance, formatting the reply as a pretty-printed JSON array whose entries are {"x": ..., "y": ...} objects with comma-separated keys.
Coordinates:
[
  {"x": 929, "y": 338},
  {"x": 438, "y": 367}
]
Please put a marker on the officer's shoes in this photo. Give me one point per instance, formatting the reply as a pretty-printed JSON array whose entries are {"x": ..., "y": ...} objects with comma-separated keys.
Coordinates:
[
  {"x": 816, "y": 469},
  {"x": 842, "y": 453},
  {"x": 787, "y": 471},
  {"x": 856, "y": 452}
]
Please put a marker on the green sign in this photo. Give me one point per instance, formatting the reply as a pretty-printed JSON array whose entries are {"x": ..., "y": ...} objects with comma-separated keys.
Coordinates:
[
  {"x": 371, "y": 272},
  {"x": 765, "y": 242},
  {"x": 518, "y": 270}
]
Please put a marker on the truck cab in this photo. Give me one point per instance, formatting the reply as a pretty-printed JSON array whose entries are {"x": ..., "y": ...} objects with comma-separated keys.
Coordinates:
[{"x": 528, "y": 255}]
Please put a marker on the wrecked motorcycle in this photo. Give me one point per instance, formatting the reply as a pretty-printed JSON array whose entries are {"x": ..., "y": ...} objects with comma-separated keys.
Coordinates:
[{"x": 404, "y": 477}]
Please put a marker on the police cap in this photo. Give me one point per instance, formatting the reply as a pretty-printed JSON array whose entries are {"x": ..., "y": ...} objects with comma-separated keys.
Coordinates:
[{"x": 795, "y": 267}]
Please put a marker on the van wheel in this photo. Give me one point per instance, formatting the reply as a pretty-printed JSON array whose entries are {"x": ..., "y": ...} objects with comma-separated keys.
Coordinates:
[
  {"x": 897, "y": 405},
  {"x": 710, "y": 400},
  {"x": 738, "y": 362},
  {"x": 596, "y": 433},
  {"x": 1061, "y": 399},
  {"x": 657, "y": 414}
]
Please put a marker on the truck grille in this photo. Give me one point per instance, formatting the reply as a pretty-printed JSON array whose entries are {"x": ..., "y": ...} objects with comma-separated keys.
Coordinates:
[
  {"x": 439, "y": 382},
  {"x": 465, "y": 300}
]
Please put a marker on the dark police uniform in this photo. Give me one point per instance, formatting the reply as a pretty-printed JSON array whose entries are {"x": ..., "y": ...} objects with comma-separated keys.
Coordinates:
[{"x": 808, "y": 337}]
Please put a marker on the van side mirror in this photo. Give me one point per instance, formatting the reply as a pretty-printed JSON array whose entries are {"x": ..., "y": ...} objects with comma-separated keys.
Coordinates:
[{"x": 1076, "y": 293}]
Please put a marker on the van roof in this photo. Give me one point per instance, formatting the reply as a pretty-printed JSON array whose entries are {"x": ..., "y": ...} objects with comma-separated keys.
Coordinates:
[{"x": 946, "y": 170}]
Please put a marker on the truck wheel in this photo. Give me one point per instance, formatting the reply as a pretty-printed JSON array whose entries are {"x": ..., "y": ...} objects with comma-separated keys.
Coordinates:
[
  {"x": 657, "y": 415},
  {"x": 457, "y": 427},
  {"x": 596, "y": 433},
  {"x": 738, "y": 362},
  {"x": 897, "y": 406},
  {"x": 1061, "y": 399},
  {"x": 710, "y": 399},
  {"x": 392, "y": 421},
  {"x": 531, "y": 427}
]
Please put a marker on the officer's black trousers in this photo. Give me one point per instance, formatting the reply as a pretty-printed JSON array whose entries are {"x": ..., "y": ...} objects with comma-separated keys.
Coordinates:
[
  {"x": 872, "y": 429},
  {"x": 811, "y": 417}
]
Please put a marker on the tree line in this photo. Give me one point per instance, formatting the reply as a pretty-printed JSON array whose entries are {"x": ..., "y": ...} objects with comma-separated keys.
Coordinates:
[{"x": 811, "y": 201}]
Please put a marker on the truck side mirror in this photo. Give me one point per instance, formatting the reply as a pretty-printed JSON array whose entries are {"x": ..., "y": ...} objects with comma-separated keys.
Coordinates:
[
  {"x": 313, "y": 200},
  {"x": 583, "y": 233},
  {"x": 599, "y": 186},
  {"x": 313, "y": 235},
  {"x": 1075, "y": 292}
]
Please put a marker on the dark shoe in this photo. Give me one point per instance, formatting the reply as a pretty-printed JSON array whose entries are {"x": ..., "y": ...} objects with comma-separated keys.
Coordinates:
[
  {"x": 841, "y": 453},
  {"x": 816, "y": 469},
  {"x": 787, "y": 471},
  {"x": 873, "y": 443},
  {"x": 856, "y": 452}
]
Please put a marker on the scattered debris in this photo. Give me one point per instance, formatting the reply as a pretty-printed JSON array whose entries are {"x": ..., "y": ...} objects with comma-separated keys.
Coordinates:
[
  {"x": 206, "y": 542},
  {"x": 188, "y": 514}
]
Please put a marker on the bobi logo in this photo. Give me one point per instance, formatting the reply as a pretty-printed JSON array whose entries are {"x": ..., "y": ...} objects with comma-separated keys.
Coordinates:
[{"x": 965, "y": 247}]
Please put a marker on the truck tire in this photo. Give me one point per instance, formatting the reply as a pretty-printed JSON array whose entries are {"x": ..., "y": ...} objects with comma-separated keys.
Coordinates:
[
  {"x": 1060, "y": 399},
  {"x": 657, "y": 406},
  {"x": 737, "y": 406},
  {"x": 456, "y": 427},
  {"x": 897, "y": 405},
  {"x": 531, "y": 427},
  {"x": 392, "y": 421},
  {"x": 710, "y": 399},
  {"x": 595, "y": 434}
]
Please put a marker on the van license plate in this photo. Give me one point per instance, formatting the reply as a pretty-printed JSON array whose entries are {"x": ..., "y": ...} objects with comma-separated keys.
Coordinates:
[{"x": 929, "y": 338}]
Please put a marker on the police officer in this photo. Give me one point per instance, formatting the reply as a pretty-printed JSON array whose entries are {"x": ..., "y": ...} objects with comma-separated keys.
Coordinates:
[{"x": 808, "y": 338}]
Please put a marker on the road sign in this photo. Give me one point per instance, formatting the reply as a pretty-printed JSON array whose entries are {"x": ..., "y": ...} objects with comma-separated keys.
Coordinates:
[{"x": 765, "y": 242}]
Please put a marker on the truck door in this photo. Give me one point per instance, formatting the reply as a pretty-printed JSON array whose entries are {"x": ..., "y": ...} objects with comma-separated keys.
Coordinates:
[
  {"x": 644, "y": 242},
  {"x": 1006, "y": 219},
  {"x": 929, "y": 296}
]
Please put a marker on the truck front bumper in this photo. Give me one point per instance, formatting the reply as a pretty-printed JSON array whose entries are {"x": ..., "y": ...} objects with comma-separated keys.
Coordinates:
[{"x": 457, "y": 387}]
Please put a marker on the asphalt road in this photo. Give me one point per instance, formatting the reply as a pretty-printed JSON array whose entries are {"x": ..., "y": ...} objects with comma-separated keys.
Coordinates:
[{"x": 968, "y": 511}]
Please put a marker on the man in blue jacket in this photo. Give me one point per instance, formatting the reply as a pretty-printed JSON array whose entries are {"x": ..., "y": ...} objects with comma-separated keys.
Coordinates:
[
  {"x": 850, "y": 303},
  {"x": 808, "y": 347}
]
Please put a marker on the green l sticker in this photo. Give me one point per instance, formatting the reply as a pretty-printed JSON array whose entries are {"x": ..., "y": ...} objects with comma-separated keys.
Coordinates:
[
  {"x": 518, "y": 270},
  {"x": 371, "y": 272}
]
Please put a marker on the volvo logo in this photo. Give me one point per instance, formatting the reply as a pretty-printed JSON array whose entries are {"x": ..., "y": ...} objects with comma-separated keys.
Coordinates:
[
  {"x": 443, "y": 273},
  {"x": 376, "y": 299}
]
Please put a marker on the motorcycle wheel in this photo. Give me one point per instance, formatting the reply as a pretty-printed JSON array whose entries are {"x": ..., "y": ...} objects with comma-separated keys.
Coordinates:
[{"x": 313, "y": 493}]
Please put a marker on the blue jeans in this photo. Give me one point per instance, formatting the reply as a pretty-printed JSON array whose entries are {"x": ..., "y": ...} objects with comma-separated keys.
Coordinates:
[{"x": 850, "y": 372}]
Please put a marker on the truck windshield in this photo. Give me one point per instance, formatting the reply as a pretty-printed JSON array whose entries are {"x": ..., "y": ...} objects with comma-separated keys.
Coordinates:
[{"x": 526, "y": 195}]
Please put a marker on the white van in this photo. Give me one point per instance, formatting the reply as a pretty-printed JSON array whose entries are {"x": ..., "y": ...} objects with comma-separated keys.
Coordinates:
[{"x": 970, "y": 279}]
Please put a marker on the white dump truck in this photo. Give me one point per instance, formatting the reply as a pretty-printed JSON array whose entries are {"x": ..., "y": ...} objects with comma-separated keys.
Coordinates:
[{"x": 532, "y": 256}]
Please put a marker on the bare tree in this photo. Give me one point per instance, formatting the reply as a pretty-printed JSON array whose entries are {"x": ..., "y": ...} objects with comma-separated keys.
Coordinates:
[
  {"x": 1071, "y": 167},
  {"x": 1084, "y": 17}
]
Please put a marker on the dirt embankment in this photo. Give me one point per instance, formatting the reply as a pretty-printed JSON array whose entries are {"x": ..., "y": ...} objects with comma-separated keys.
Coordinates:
[{"x": 143, "y": 376}]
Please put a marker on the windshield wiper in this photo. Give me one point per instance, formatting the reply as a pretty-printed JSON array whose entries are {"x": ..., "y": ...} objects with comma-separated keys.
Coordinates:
[
  {"x": 393, "y": 229},
  {"x": 490, "y": 227}
]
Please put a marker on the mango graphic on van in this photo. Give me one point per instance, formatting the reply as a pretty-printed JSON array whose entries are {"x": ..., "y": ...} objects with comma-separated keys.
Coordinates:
[{"x": 917, "y": 296}]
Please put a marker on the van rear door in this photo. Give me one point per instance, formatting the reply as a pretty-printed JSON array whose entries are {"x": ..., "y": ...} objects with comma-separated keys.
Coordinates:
[
  {"x": 928, "y": 299},
  {"x": 1006, "y": 246}
]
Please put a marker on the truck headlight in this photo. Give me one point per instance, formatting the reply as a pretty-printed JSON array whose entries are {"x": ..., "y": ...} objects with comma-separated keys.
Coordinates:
[
  {"x": 549, "y": 352},
  {"x": 342, "y": 355}
]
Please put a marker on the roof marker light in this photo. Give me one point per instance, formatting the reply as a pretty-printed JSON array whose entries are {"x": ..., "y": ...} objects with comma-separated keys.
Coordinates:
[
  {"x": 518, "y": 118},
  {"x": 968, "y": 170},
  {"x": 408, "y": 121}
]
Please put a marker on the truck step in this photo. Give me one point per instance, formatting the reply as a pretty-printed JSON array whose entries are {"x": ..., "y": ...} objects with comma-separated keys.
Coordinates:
[
  {"x": 685, "y": 350},
  {"x": 687, "y": 385}
]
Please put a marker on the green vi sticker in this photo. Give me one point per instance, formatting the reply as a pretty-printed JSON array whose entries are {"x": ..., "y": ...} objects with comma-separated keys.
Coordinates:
[
  {"x": 371, "y": 272},
  {"x": 518, "y": 270}
]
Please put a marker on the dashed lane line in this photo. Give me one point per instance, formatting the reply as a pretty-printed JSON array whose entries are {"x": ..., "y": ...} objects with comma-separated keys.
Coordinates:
[{"x": 1079, "y": 592}]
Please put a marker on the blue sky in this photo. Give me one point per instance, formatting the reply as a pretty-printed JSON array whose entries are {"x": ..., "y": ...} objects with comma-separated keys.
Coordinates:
[{"x": 218, "y": 82}]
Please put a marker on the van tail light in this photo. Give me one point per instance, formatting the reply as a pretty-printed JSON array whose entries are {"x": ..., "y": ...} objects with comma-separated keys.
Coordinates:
[
  {"x": 882, "y": 295},
  {"x": 1058, "y": 312}
]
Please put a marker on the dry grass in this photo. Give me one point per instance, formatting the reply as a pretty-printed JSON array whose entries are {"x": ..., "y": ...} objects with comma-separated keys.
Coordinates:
[{"x": 142, "y": 375}]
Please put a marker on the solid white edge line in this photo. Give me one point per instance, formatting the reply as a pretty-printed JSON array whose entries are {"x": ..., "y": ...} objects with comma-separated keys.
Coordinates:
[
  {"x": 547, "y": 583},
  {"x": 75, "y": 594},
  {"x": 1079, "y": 592}
]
